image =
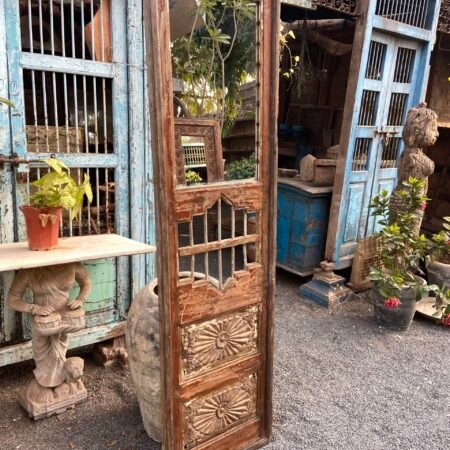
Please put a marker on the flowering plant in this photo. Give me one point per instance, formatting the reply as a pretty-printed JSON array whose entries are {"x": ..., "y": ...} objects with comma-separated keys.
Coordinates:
[
  {"x": 402, "y": 250},
  {"x": 439, "y": 248}
]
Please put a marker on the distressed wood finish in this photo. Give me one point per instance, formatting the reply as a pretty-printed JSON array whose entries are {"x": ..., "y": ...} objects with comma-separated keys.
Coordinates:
[
  {"x": 209, "y": 131},
  {"x": 235, "y": 386},
  {"x": 201, "y": 299},
  {"x": 15, "y": 256},
  {"x": 192, "y": 201}
]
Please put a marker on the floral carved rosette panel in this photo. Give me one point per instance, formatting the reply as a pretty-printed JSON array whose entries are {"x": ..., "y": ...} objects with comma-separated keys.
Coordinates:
[
  {"x": 217, "y": 341},
  {"x": 206, "y": 417}
]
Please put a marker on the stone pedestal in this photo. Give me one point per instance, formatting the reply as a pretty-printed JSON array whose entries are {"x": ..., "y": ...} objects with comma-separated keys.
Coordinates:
[
  {"x": 326, "y": 288},
  {"x": 40, "y": 402}
]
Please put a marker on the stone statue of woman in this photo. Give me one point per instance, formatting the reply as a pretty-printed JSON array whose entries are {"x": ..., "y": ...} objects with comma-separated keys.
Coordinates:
[
  {"x": 57, "y": 384},
  {"x": 420, "y": 131}
]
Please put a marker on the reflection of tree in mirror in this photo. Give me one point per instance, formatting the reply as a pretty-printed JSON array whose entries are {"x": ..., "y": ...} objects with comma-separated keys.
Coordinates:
[{"x": 216, "y": 59}]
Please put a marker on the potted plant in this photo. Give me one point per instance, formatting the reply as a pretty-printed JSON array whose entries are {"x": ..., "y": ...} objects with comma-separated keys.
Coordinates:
[
  {"x": 52, "y": 193},
  {"x": 438, "y": 258},
  {"x": 397, "y": 285},
  {"x": 192, "y": 177}
]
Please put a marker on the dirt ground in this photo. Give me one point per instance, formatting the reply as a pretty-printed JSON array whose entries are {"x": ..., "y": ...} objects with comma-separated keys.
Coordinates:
[{"x": 340, "y": 382}]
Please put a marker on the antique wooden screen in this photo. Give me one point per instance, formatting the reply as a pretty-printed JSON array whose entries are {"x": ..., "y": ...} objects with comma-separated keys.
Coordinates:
[
  {"x": 215, "y": 262},
  {"x": 390, "y": 65}
]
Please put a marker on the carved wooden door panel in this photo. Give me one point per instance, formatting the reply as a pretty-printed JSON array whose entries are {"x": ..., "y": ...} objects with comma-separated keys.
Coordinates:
[{"x": 216, "y": 258}]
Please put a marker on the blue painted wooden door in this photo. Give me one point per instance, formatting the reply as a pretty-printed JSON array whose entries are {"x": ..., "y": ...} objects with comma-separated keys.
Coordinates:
[
  {"x": 68, "y": 76},
  {"x": 392, "y": 78}
]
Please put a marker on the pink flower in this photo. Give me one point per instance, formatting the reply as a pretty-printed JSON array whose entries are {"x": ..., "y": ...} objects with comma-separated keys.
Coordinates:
[
  {"x": 392, "y": 302},
  {"x": 446, "y": 320},
  {"x": 423, "y": 205}
]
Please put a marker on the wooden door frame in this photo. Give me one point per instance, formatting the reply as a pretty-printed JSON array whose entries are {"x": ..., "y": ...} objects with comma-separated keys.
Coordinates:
[{"x": 158, "y": 58}]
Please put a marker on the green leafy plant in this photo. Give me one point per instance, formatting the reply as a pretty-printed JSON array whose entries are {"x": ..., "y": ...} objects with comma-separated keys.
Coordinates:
[
  {"x": 292, "y": 60},
  {"x": 192, "y": 177},
  {"x": 439, "y": 249},
  {"x": 6, "y": 102},
  {"x": 242, "y": 169},
  {"x": 58, "y": 189},
  {"x": 217, "y": 58},
  {"x": 403, "y": 249}
]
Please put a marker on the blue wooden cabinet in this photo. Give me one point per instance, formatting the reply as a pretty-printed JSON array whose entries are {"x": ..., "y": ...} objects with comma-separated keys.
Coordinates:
[{"x": 303, "y": 212}]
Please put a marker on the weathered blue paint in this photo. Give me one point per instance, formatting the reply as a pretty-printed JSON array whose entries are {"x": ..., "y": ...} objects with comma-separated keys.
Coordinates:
[
  {"x": 138, "y": 146},
  {"x": 111, "y": 278},
  {"x": 301, "y": 227},
  {"x": 23, "y": 352},
  {"x": 358, "y": 187},
  {"x": 120, "y": 124},
  {"x": 149, "y": 209},
  {"x": 66, "y": 65}
]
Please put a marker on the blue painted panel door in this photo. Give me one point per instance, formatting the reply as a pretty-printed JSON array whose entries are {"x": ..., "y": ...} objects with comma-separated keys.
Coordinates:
[
  {"x": 68, "y": 79},
  {"x": 392, "y": 78}
]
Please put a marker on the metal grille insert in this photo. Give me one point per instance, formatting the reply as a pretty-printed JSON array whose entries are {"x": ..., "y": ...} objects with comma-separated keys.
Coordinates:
[
  {"x": 397, "y": 109},
  {"x": 218, "y": 244},
  {"x": 67, "y": 113},
  {"x": 410, "y": 12},
  {"x": 389, "y": 156},
  {"x": 70, "y": 28},
  {"x": 361, "y": 154},
  {"x": 368, "y": 112},
  {"x": 404, "y": 65},
  {"x": 375, "y": 63}
]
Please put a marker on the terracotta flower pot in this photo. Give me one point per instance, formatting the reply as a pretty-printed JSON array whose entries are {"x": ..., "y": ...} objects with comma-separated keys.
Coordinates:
[
  {"x": 399, "y": 318},
  {"x": 42, "y": 227}
]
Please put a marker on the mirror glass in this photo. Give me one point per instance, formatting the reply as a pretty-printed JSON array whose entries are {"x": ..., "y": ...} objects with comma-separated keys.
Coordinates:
[{"x": 215, "y": 89}]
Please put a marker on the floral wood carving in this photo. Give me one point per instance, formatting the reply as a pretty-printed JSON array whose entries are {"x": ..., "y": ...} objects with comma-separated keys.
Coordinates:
[
  {"x": 211, "y": 343},
  {"x": 206, "y": 417}
]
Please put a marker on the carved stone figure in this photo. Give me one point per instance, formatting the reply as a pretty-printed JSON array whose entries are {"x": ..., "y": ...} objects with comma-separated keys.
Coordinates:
[
  {"x": 420, "y": 131},
  {"x": 57, "y": 384}
]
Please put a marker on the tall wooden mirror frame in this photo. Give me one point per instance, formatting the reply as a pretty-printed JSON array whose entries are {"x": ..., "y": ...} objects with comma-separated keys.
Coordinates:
[{"x": 257, "y": 432}]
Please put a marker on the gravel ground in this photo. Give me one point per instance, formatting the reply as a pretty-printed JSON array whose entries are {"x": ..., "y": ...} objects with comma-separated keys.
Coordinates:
[{"x": 341, "y": 382}]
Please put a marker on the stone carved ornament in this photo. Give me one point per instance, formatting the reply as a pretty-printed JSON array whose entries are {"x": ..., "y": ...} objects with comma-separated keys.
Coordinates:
[
  {"x": 420, "y": 131},
  {"x": 57, "y": 381}
]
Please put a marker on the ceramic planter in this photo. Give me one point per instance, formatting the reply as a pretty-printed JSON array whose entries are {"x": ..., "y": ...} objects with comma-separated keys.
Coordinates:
[
  {"x": 396, "y": 318},
  {"x": 42, "y": 227},
  {"x": 439, "y": 273}
]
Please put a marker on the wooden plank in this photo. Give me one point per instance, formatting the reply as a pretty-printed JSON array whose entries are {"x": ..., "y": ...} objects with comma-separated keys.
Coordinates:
[
  {"x": 217, "y": 245},
  {"x": 121, "y": 135},
  {"x": 23, "y": 352},
  {"x": 81, "y": 160},
  {"x": 15, "y": 256},
  {"x": 160, "y": 92},
  {"x": 137, "y": 145},
  {"x": 201, "y": 299},
  {"x": 307, "y": 187},
  {"x": 245, "y": 194},
  {"x": 50, "y": 63}
]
